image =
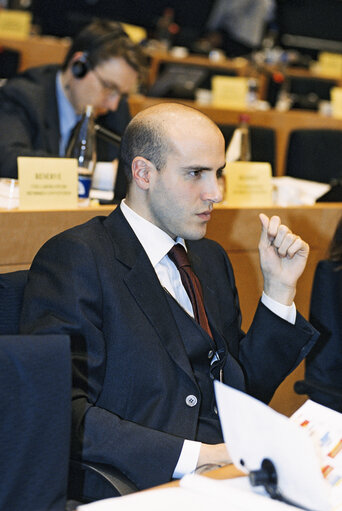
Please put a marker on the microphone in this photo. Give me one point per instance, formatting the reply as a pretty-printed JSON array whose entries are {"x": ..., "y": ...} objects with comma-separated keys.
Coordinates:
[
  {"x": 307, "y": 386},
  {"x": 107, "y": 135}
]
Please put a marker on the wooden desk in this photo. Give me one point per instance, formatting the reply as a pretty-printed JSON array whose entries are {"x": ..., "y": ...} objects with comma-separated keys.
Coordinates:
[
  {"x": 282, "y": 122},
  {"x": 38, "y": 50},
  {"x": 23, "y": 232},
  {"x": 239, "y": 66},
  {"x": 226, "y": 472}
]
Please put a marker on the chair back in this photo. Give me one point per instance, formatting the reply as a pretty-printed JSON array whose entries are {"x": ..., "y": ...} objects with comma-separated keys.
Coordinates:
[
  {"x": 12, "y": 287},
  {"x": 324, "y": 362},
  {"x": 315, "y": 154},
  {"x": 263, "y": 142},
  {"x": 35, "y": 411}
]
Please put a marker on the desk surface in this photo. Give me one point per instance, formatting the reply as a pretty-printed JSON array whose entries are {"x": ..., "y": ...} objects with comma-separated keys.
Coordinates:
[{"x": 226, "y": 472}]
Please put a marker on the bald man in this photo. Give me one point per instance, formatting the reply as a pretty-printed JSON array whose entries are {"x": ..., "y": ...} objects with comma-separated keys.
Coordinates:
[{"x": 143, "y": 397}]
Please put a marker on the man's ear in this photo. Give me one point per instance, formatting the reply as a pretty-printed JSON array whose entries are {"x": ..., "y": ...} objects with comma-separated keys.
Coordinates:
[{"x": 141, "y": 172}]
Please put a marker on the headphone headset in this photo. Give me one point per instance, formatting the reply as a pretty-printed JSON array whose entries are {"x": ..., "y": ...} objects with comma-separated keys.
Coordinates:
[{"x": 81, "y": 66}]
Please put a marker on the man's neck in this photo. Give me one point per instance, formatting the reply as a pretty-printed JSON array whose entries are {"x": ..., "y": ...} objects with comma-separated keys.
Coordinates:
[{"x": 65, "y": 82}]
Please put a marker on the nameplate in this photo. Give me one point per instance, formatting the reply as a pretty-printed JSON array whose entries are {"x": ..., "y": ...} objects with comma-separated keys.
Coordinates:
[
  {"x": 15, "y": 24},
  {"x": 137, "y": 34},
  {"x": 229, "y": 92},
  {"x": 330, "y": 64},
  {"x": 336, "y": 102},
  {"x": 248, "y": 184},
  {"x": 47, "y": 183}
]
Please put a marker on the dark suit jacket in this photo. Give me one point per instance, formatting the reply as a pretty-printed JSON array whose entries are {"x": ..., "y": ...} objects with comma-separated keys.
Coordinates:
[
  {"x": 324, "y": 364},
  {"x": 29, "y": 120},
  {"x": 131, "y": 373}
]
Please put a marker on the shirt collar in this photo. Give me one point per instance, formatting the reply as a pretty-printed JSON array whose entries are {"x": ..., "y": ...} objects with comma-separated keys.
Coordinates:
[
  {"x": 67, "y": 115},
  {"x": 154, "y": 240}
]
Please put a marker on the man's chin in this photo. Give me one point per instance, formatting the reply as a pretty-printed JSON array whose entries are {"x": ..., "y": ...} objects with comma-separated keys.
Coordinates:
[{"x": 195, "y": 234}]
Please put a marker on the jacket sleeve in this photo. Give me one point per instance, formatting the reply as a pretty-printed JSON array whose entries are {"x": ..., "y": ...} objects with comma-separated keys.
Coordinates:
[{"x": 272, "y": 347}]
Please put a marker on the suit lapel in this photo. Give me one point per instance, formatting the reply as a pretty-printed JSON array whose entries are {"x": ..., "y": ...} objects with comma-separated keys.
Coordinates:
[
  {"x": 51, "y": 120},
  {"x": 145, "y": 288}
]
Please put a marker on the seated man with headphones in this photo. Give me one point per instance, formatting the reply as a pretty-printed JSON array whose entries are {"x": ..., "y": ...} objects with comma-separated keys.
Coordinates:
[{"x": 40, "y": 107}]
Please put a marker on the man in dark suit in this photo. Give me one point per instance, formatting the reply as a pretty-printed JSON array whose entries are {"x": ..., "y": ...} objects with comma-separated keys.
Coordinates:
[
  {"x": 143, "y": 397},
  {"x": 40, "y": 107}
]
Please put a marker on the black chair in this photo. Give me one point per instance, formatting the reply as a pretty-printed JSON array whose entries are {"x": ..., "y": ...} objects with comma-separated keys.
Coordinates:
[
  {"x": 11, "y": 295},
  {"x": 324, "y": 363},
  {"x": 263, "y": 142},
  {"x": 35, "y": 408},
  {"x": 9, "y": 62},
  {"x": 315, "y": 154}
]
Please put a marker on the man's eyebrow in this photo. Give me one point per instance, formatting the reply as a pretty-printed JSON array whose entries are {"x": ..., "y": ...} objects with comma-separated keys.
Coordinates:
[{"x": 201, "y": 167}]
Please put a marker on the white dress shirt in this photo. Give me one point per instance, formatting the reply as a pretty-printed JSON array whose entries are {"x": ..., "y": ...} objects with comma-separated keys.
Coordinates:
[{"x": 157, "y": 244}]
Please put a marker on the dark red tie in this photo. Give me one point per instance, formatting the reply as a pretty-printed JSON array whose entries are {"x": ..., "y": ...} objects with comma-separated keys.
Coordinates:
[{"x": 192, "y": 285}]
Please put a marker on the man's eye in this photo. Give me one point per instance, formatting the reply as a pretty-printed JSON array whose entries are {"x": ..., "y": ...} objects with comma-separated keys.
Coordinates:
[{"x": 195, "y": 173}]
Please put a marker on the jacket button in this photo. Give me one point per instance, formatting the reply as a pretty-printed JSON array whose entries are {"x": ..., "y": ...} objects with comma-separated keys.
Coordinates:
[{"x": 191, "y": 400}]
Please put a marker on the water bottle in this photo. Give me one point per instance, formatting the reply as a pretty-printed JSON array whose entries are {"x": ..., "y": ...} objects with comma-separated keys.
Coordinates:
[
  {"x": 245, "y": 142},
  {"x": 239, "y": 148},
  {"x": 82, "y": 146}
]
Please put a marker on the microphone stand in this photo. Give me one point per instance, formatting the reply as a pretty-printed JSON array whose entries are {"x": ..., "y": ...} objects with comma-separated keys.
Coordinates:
[
  {"x": 267, "y": 477},
  {"x": 107, "y": 135}
]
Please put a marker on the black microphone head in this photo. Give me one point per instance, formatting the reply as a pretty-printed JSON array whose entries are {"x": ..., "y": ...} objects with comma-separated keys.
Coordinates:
[{"x": 301, "y": 387}]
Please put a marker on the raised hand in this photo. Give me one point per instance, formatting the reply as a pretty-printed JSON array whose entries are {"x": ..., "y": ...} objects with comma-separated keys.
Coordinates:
[{"x": 283, "y": 257}]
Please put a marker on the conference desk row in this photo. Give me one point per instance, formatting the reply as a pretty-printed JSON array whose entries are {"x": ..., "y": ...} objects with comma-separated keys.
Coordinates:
[
  {"x": 38, "y": 50},
  {"x": 281, "y": 122},
  {"x": 23, "y": 232}
]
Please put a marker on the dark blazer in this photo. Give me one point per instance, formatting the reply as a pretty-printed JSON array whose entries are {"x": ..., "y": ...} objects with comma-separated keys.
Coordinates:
[
  {"x": 324, "y": 364},
  {"x": 29, "y": 120},
  {"x": 131, "y": 373}
]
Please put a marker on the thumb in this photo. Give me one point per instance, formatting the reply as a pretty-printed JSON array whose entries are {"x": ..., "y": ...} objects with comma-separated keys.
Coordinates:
[{"x": 264, "y": 220}]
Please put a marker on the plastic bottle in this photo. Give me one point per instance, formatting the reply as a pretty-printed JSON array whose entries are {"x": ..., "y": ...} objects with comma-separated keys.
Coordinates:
[
  {"x": 239, "y": 148},
  {"x": 166, "y": 28},
  {"x": 82, "y": 146},
  {"x": 245, "y": 142}
]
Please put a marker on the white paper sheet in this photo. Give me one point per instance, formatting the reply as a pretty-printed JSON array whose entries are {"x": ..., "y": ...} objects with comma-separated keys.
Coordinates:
[{"x": 253, "y": 431}]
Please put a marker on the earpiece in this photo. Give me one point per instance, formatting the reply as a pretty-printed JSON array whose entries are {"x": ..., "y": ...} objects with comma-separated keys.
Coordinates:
[{"x": 81, "y": 66}]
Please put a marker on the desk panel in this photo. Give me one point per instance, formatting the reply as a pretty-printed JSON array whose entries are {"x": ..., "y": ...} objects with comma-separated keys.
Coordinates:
[
  {"x": 38, "y": 50},
  {"x": 237, "y": 230}
]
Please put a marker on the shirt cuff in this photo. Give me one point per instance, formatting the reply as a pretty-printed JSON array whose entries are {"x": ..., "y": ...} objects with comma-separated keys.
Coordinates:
[
  {"x": 287, "y": 312},
  {"x": 188, "y": 458}
]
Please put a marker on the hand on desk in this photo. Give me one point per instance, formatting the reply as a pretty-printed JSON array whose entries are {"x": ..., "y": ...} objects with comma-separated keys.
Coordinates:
[
  {"x": 216, "y": 454},
  {"x": 283, "y": 257}
]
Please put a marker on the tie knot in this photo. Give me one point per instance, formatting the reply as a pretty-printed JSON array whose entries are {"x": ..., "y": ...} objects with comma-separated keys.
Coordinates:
[{"x": 178, "y": 255}]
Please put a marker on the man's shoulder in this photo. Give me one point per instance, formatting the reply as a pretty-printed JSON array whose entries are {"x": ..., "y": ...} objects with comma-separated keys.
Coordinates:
[
  {"x": 30, "y": 82},
  {"x": 88, "y": 231}
]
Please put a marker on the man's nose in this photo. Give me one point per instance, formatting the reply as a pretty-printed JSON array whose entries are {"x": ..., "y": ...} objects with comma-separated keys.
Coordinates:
[{"x": 214, "y": 191}]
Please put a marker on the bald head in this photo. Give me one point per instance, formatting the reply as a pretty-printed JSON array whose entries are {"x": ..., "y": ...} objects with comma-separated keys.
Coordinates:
[{"x": 155, "y": 132}]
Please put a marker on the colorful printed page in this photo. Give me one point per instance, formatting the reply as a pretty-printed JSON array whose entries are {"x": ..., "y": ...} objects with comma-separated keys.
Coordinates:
[{"x": 325, "y": 428}]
